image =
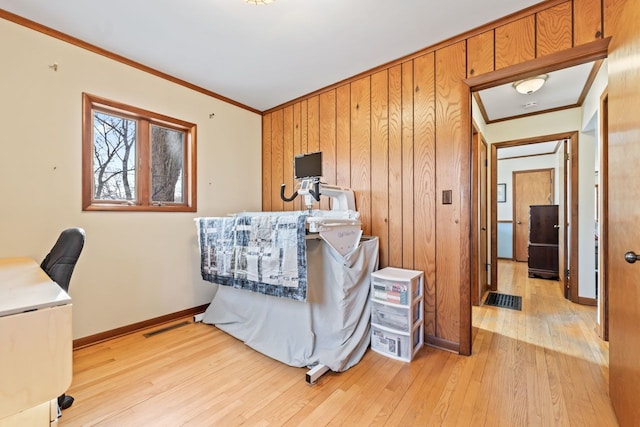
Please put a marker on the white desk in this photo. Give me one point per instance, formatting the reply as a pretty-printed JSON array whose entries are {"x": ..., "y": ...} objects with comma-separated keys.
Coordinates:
[{"x": 35, "y": 344}]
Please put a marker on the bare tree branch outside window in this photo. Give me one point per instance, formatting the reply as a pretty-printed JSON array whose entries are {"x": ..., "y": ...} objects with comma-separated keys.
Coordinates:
[
  {"x": 114, "y": 157},
  {"x": 136, "y": 160}
]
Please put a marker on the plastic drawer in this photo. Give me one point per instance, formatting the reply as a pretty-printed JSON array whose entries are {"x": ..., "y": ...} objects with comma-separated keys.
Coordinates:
[
  {"x": 397, "y": 286},
  {"x": 395, "y": 317},
  {"x": 395, "y": 345}
]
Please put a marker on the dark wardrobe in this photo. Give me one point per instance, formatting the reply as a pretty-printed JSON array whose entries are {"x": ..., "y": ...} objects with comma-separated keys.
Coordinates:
[{"x": 543, "y": 241}]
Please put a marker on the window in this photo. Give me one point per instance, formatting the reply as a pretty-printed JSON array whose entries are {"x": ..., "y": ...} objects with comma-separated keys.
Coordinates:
[{"x": 136, "y": 160}]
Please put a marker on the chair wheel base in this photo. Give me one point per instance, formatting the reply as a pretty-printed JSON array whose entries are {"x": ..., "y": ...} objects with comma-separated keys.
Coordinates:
[{"x": 65, "y": 401}]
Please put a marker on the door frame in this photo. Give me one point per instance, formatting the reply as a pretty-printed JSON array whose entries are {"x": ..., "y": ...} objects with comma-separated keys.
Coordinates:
[
  {"x": 477, "y": 290},
  {"x": 603, "y": 218},
  {"x": 588, "y": 52},
  {"x": 563, "y": 259},
  {"x": 572, "y": 246}
]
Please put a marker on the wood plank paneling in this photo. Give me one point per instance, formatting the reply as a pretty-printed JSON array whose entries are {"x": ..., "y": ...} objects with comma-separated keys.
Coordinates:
[
  {"x": 343, "y": 136},
  {"x": 287, "y": 156},
  {"x": 553, "y": 29},
  {"x": 407, "y": 165},
  {"x": 380, "y": 161},
  {"x": 392, "y": 141},
  {"x": 328, "y": 141},
  {"x": 587, "y": 21},
  {"x": 297, "y": 146},
  {"x": 266, "y": 162},
  {"x": 297, "y": 129},
  {"x": 612, "y": 10},
  {"x": 480, "y": 53},
  {"x": 277, "y": 153},
  {"x": 515, "y": 42},
  {"x": 361, "y": 149},
  {"x": 424, "y": 181},
  {"x": 304, "y": 138},
  {"x": 304, "y": 126},
  {"x": 452, "y": 151},
  {"x": 313, "y": 124},
  {"x": 313, "y": 129},
  {"x": 395, "y": 168}
]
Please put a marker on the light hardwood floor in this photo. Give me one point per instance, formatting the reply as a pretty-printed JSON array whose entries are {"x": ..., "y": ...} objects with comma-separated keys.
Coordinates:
[{"x": 542, "y": 366}]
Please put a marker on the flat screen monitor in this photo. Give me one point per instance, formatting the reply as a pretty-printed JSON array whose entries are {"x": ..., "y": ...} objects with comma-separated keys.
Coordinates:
[{"x": 307, "y": 165}]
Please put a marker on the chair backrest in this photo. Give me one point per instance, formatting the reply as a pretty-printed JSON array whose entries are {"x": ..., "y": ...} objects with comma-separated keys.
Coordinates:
[{"x": 61, "y": 260}]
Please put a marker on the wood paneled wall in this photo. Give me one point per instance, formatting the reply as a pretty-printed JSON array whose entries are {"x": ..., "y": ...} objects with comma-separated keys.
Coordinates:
[{"x": 400, "y": 135}]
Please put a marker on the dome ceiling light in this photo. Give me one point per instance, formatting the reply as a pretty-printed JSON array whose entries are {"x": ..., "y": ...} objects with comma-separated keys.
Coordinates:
[{"x": 530, "y": 85}]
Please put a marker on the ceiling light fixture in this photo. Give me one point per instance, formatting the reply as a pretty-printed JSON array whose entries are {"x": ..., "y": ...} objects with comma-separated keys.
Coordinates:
[
  {"x": 259, "y": 1},
  {"x": 530, "y": 85}
]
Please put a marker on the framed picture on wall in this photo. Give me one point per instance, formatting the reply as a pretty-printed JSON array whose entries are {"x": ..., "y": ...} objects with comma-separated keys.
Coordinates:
[{"x": 501, "y": 193}]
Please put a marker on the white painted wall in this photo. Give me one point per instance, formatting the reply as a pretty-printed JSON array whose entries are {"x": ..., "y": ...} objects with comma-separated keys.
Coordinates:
[
  {"x": 541, "y": 124},
  {"x": 477, "y": 116},
  {"x": 586, "y": 215},
  {"x": 591, "y": 125},
  {"x": 589, "y": 164},
  {"x": 591, "y": 103},
  {"x": 135, "y": 266}
]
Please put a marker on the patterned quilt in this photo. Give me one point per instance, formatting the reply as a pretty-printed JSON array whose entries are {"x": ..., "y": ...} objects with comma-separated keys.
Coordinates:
[{"x": 260, "y": 252}]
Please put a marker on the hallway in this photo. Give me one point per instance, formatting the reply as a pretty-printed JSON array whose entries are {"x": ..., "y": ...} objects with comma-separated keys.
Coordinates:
[{"x": 548, "y": 355}]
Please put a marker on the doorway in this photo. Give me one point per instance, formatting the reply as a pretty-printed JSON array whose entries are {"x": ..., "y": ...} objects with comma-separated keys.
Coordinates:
[
  {"x": 566, "y": 197},
  {"x": 589, "y": 53}
]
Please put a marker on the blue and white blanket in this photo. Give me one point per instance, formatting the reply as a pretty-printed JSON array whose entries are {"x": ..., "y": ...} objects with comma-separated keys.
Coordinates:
[{"x": 260, "y": 252}]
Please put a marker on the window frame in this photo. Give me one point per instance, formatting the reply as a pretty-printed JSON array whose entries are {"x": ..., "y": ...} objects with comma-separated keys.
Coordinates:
[{"x": 144, "y": 120}]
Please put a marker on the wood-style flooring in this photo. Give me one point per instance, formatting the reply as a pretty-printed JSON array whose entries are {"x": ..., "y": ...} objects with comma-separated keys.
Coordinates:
[{"x": 542, "y": 366}]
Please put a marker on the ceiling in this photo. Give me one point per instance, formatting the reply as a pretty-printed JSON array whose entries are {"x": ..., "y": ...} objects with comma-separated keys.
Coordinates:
[
  {"x": 263, "y": 56},
  {"x": 563, "y": 88}
]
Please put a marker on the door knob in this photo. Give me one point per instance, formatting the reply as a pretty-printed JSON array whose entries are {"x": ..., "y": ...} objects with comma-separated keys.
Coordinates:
[
  {"x": 483, "y": 228},
  {"x": 518, "y": 222},
  {"x": 631, "y": 257},
  {"x": 556, "y": 226}
]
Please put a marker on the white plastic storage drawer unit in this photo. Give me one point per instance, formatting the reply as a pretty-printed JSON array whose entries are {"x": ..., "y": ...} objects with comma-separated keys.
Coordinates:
[
  {"x": 397, "y": 285},
  {"x": 396, "y": 345},
  {"x": 394, "y": 317},
  {"x": 397, "y": 319}
]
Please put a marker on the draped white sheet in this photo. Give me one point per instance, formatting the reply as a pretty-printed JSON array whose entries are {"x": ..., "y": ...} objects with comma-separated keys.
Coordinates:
[{"x": 332, "y": 327}]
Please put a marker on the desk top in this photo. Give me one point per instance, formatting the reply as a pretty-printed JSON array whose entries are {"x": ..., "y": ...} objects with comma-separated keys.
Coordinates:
[{"x": 24, "y": 286}]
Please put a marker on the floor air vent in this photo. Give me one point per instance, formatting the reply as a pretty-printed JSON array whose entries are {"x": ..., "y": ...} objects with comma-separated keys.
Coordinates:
[
  {"x": 496, "y": 299},
  {"x": 168, "y": 328}
]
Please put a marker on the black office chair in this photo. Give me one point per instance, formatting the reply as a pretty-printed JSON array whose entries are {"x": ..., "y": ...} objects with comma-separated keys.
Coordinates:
[{"x": 59, "y": 264}]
